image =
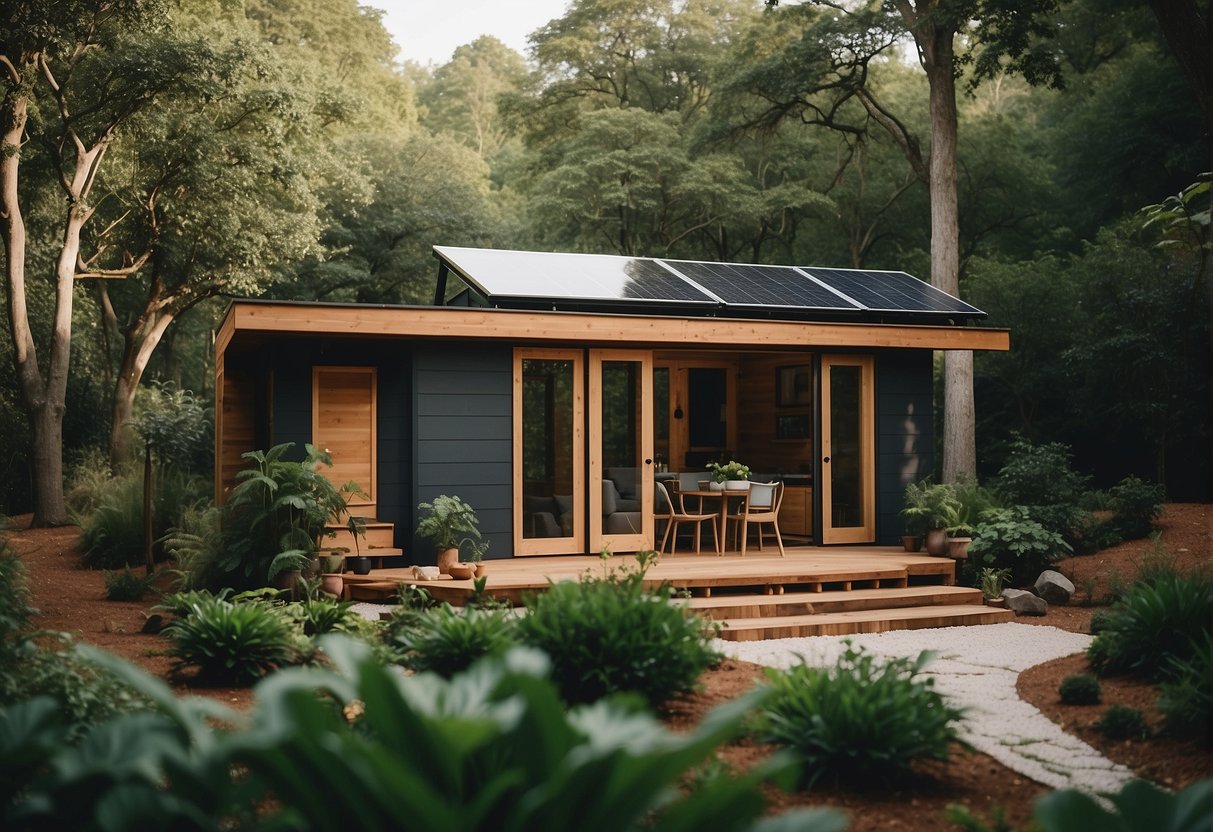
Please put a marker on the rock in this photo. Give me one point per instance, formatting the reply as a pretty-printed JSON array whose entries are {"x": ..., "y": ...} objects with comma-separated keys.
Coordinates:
[
  {"x": 1054, "y": 587},
  {"x": 1022, "y": 602},
  {"x": 154, "y": 624}
]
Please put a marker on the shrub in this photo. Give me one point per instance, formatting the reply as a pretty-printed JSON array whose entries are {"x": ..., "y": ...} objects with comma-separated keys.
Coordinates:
[
  {"x": 1135, "y": 506},
  {"x": 1039, "y": 475},
  {"x": 1101, "y": 620},
  {"x": 127, "y": 585},
  {"x": 195, "y": 545},
  {"x": 447, "y": 641},
  {"x": 1139, "y": 807},
  {"x": 1089, "y": 533},
  {"x": 1120, "y": 722},
  {"x": 1154, "y": 622},
  {"x": 319, "y": 616},
  {"x": 1009, "y": 539},
  {"x": 1187, "y": 697},
  {"x": 1079, "y": 689},
  {"x": 231, "y": 643},
  {"x": 491, "y": 749},
  {"x": 611, "y": 635},
  {"x": 860, "y": 720}
]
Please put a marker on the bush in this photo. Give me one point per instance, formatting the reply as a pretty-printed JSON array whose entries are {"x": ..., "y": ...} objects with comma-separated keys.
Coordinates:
[
  {"x": 446, "y": 641},
  {"x": 1089, "y": 534},
  {"x": 320, "y": 616},
  {"x": 1009, "y": 539},
  {"x": 1139, "y": 807},
  {"x": 1039, "y": 475},
  {"x": 1154, "y": 622},
  {"x": 1187, "y": 698},
  {"x": 127, "y": 585},
  {"x": 611, "y": 636},
  {"x": 231, "y": 643},
  {"x": 860, "y": 720},
  {"x": 491, "y": 749},
  {"x": 1079, "y": 689},
  {"x": 1120, "y": 722},
  {"x": 1135, "y": 506},
  {"x": 1101, "y": 620}
]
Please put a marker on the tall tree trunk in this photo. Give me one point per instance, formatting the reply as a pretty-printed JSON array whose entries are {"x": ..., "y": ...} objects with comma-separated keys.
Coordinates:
[{"x": 140, "y": 342}]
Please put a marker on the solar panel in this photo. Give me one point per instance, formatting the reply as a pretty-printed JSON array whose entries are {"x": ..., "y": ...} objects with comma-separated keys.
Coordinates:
[
  {"x": 891, "y": 291},
  {"x": 556, "y": 276},
  {"x": 761, "y": 286}
]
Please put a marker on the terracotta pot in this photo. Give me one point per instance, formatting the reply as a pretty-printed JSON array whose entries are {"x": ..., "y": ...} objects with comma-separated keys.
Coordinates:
[
  {"x": 481, "y": 569},
  {"x": 332, "y": 584},
  {"x": 446, "y": 559},
  {"x": 461, "y": 571},
  {"x": 911, "y": 542},
  {"x": 288, "y": 580},
  {"x": 958, "y": 547},
  {"x": 937, "y": 542},
  {"x": 996, "y": 602}
]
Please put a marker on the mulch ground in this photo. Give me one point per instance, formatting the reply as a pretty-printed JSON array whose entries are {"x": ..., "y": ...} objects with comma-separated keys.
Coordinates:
[{"x": 70, "y": 600}]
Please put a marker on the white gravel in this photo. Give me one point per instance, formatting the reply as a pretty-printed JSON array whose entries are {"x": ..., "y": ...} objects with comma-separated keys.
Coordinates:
[{"x": 976, "y": 668}]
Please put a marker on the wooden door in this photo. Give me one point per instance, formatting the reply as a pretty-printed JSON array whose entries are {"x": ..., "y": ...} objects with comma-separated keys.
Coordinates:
[
  {"x": 620, "y": 445},
  {"x": 344, "y": 404},
  {"x": 848, "y": 450}
]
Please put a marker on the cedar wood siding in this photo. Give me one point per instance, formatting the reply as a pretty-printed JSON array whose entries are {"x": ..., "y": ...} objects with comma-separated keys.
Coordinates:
[{"x": 905, "y": 433}]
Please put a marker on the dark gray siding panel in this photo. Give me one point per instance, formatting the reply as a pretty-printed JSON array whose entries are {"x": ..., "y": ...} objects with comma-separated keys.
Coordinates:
[
  {"x": 905, "y": 437},
  {"x": 463, "y": 423}
]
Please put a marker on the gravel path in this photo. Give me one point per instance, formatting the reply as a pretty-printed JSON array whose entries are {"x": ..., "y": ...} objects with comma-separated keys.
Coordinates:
[{"x": 976, "y": 668}]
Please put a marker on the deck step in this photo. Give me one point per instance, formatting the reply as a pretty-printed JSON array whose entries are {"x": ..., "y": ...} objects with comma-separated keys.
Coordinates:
[
  {"x": 862, "y": 621},
  {"x": 373, "y": 591},
  {"x": 724, "y": 607}
]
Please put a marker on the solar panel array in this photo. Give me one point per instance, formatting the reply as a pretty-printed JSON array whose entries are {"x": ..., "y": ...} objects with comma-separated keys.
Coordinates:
[{"x": 532, "y": 277}]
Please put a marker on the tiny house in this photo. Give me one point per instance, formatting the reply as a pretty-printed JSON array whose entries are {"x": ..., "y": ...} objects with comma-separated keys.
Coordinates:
[{"x": 551, "y": 391}]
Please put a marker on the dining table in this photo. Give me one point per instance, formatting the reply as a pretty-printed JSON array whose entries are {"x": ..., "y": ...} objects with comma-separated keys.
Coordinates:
[{"x": 723, "y": 496}]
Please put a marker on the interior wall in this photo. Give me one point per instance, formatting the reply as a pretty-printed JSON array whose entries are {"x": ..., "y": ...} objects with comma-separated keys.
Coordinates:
[{"x": 758, "y": 412}]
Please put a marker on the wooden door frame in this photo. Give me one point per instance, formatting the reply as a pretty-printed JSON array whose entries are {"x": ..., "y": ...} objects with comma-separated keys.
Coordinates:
[
  {"x": 644, "y": 538},
  {"x": 528, "y": 546},
  {"x": 372, "y": 488},
  {"x": 867, "y": 461}
]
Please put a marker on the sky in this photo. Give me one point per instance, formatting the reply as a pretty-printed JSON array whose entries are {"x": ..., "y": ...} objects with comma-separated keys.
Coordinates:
[{"x": 430, "y": 30}]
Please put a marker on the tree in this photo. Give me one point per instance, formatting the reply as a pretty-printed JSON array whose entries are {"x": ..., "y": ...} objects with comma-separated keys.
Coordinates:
[{"x": 83, "y": 70}]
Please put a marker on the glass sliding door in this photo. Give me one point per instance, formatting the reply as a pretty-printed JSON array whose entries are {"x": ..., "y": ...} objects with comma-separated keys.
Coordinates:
[
  {"x": 848, "y": 440},
  {"x": 549, "y": 458},
  {"x": 620, "y": 446}
]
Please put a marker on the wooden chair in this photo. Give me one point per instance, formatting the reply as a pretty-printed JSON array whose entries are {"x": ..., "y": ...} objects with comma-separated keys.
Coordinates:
[
  {"x": 676, "y": 515},
  {"x": 761, "y": 507}
]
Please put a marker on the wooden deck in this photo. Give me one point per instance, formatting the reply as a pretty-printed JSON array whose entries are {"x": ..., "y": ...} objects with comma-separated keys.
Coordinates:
[{"x": 812, "y": 591}]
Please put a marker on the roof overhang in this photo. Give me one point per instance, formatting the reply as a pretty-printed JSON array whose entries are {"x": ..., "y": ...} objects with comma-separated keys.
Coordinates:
[{"x": 250, "y": 318}]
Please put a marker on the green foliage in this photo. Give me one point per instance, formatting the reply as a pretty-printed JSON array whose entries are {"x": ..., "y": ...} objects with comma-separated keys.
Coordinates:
[
  {"x": 447, "y": 641},
  {"x": 1009, "y": 539},
  {"x": 449, "y": 523},
  {"x": 613, "y": 636},
  {"x": 992, "y": 581},
  {"x": 127, "y": 585},
  {"x": 963, "y": 817},
  {"x": 112, "y": 524},
  {"x": 232, "y": 643},
  {"x": 321, "y": 615},
  {"x": 491, "y": 749},
  {"x": 929, "y": 506},
  {"x": 1187, "y": 694},
  {"x": 731, "y": 470},
  {"x": 175, "y": 424},
  {"x": 1121, "y": 722},
  {"x": 1079, "y": 689},
  {"x": 1139, "y": 807},
  {"x": 1101, "y": 620},
  {"x": 860, "y": 721},
  {"x": 276, "y": 516},
  {"x": 1155, "y": 621},
  {"x": 1039, "y": 478},
  {"x": 1135, "y": 506}
]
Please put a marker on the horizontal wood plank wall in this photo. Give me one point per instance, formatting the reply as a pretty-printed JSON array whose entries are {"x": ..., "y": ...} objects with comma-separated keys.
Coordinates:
[
  {"x": 344, "y": 424},
  {"x": 463, "y": 423},
  {"x": 905, "y": 433},
  {"x": 757, "y": 445}
]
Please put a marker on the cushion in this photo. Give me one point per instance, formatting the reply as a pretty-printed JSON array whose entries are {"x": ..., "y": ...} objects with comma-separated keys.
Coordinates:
[
  {"x": 625, "y": 480},
  {"x": 610, "y": 498},
  {"x": 564, "y": 503}
]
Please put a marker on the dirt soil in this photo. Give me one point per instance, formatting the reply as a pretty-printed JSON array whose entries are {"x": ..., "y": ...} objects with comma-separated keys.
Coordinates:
[{"x": 70, "y": 600}]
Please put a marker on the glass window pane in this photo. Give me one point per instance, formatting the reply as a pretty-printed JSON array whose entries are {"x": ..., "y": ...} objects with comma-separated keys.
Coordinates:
[
  {"x": 547, "y": 447},
  {"x": 846, "y": 467}
]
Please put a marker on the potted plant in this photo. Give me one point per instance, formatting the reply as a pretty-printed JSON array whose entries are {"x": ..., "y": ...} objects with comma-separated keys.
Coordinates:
[
  {"x": 448, "y": 523},
  {"x": 332, "y": 562},
  {"x": 992, "y": 581},
  {"x": 360, "y": 564},
  {"x": 959, "y": 538},
  {"x": 732, "y": 475},
  {"x": 932, "y": 507}
]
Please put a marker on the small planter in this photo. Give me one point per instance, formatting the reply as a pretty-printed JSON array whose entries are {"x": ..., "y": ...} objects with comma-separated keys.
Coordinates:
[
  {"x": 911, "y": 542},
  {"x": 481, "y": 569},
  {"x": 332, "y": 584},
  {"x": 446, "y": 559},
  {"x": 937, "y": 542},
  {"x": 716, "y": 486},
  {"x": 461, "y": 571},
  {"x": 288, "y": 580},
  {"x": 996, "y": 602},
  {"x": 958, "y": 547},
  {"x": 360, "y": 565},
  {"x": 737, "y": 485}
]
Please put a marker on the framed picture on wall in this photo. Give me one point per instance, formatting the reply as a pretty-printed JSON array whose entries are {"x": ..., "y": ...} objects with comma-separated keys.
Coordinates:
[
  {"x": 793, "y": 386},
  {"x": 792, "y": 426}
]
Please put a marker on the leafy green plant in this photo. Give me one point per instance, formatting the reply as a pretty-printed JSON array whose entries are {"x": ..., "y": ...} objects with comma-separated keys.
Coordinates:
[
  {"x": 1138, "y": 807},
  {"x": 992, "y": 581},
  {"x": 731, "y": 470},
  {"x": 861, "y": 720},
  {"x": 450, "y": 523},
  {"x": 1101, "y": 620},
  {"x": 929, "y": 506},
  {"x": 1153, "y": 622},
  {"x": 1079, "y": 689},
  {"x": 127, "y": 585},
  {"x": 1121, "y": 722},
  {"x": 611, "y": 635},
  {"x": 963, "y": 817},
  {"x": 1187, "y": 695},
  {"x": 447, "y": 641},
  {"x": 321, "y": 615},
  {"x": 1135, "y": 506},
  {"x": 1007, "y": 538},
  {"x": 1039, "y": 475},
  {"x": 491, "y": 749},
  {"x": 232, "y": 643}
]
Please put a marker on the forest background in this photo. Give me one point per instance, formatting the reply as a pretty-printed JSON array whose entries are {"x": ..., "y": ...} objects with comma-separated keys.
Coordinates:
[{"x": 283, "y": 148}]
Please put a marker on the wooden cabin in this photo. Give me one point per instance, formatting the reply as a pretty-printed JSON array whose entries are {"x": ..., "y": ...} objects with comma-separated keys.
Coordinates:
[{"x": 552, "y": 390}]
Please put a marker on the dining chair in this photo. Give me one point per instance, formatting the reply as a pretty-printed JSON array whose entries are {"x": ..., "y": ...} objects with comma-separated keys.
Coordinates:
[
  {"x": 761, "y": 507},
  {"x": 675, "y": 515}
]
